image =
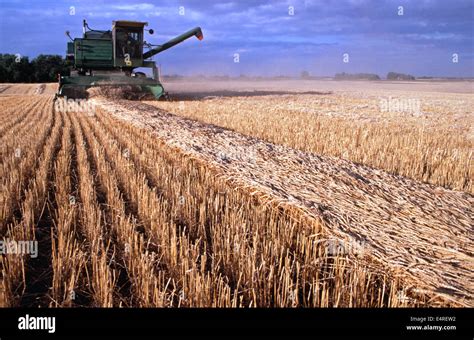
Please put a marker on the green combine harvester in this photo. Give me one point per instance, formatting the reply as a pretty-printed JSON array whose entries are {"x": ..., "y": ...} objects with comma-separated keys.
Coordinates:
[{"x": 109, "y": 58}]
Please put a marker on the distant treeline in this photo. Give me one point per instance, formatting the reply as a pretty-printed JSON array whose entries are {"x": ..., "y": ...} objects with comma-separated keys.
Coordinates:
[
  {"x": 356, "y": 76},
  {"x": 372, "y": 76},
  {"x": 45, "y": 68},
  {"x": 399, "y": 76},
  {"x": 42, "y": 69}
]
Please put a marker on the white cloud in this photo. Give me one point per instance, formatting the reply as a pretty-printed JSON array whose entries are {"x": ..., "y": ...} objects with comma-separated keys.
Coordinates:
[
  {"x": 135, "y": 7},
  {"x": 225, "y": 5}
]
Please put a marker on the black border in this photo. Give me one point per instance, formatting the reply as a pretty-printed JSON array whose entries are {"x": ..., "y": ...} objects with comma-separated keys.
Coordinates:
[{"x": 193, "y": 323}]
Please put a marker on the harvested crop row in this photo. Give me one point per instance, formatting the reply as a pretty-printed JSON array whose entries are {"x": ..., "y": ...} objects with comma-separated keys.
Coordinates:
[
  {"x": 14, "y": 113},
  {"x": 17, "y": 279},
  {"x": 6, "y": 103},
  {"x": 102, "y": 277},
  {"x": 16, "y": 139},
  {"x": 18, "y": 168},
  {"x": 148, "y": 287},
  {"x": 184, "y": 262},
  {"x": 68, "y": 256},
  {"x": 11, "y": 104}
]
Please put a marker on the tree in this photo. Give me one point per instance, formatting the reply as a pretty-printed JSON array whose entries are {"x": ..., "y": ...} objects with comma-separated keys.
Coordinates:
[
  {"x": 47, "y": 67},
  {"x": 399, "y": 76},
  {"x": 15, "y": 69},
  {"x": 304, "y": 74},
  {"x": 44, "y": 68},
  {"x": 5, "y": 61},
  {"x": 356, "y": 76},
  {"x": 21, "y": 71}
]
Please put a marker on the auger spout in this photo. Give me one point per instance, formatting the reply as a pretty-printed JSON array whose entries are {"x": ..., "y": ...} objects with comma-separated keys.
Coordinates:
[{"x": 179, "y": 39}]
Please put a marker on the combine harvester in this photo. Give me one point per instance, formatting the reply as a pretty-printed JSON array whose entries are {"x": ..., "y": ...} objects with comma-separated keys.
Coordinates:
[{"x": 109, "y": 58}]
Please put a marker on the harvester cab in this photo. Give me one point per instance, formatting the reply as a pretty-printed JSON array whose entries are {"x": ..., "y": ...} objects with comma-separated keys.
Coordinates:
[{"x": 109, "y": 58}]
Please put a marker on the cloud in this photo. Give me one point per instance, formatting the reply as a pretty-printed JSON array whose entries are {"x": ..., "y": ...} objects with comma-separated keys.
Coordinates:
[
  {"x": 225, "y": 6},
  {"x": 135, "y": 7}
]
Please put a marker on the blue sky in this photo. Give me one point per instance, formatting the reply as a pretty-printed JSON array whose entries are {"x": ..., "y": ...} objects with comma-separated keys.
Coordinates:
[{"x": 269, "y": 40}]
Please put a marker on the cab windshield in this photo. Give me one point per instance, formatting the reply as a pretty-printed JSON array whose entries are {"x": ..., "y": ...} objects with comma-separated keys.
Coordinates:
[{"x": 128, "y": 42}]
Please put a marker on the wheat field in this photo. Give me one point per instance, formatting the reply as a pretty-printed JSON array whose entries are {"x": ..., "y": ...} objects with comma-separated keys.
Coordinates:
[{"x": 132, "y": 206}]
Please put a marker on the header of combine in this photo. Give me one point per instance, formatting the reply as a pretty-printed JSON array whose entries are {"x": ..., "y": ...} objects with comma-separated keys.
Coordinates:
[{"x": 102, "y": 58}]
